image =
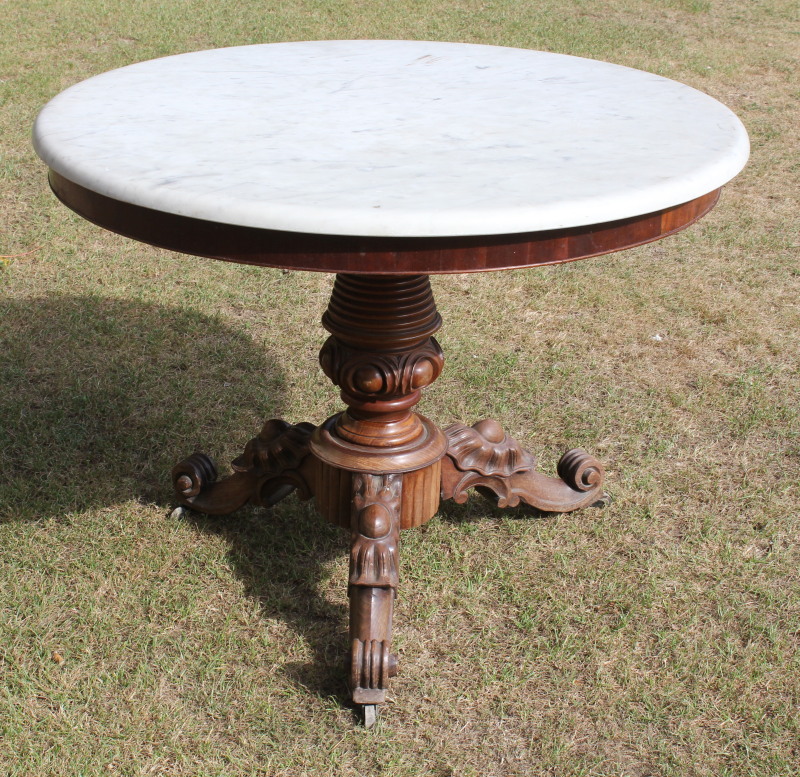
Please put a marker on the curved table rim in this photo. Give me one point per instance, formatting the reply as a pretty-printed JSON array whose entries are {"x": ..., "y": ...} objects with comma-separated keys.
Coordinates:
[{"x": 373, "y": 255}]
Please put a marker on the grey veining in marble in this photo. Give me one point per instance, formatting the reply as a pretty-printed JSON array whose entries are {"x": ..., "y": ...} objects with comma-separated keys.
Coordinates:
[{"x": 391, "y": 138}]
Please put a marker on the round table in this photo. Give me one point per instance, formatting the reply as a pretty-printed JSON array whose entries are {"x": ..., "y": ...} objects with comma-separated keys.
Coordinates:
[{"x": 385, "y": 162}]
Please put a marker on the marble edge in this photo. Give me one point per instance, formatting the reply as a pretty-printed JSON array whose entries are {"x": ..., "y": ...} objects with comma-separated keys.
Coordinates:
[{"x": 397, "y": 223}]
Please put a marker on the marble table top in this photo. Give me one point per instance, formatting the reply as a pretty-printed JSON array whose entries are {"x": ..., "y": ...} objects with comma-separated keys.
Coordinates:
[{"x": 391, "y": 138}]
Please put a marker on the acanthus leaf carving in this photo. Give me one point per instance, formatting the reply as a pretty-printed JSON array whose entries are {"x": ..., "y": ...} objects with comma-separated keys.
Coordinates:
[
  {"x": 381, "y": 375},
  {"x": 273, "y": 464},
  {"x": 485, "y": 448},
  {"x": 485, "y": 458},
  {"x": 375, "y": 530}
]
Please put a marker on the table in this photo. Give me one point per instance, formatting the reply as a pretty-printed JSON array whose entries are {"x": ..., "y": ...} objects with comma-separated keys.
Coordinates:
[{"x": 386, "y": 162}]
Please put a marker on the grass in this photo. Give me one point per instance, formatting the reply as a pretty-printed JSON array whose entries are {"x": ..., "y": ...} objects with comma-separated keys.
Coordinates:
[{"x": 658, "y": 636}]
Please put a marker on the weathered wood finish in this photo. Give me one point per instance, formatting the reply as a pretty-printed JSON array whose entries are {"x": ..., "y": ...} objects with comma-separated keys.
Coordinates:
[{"x": 369, "y": 255}]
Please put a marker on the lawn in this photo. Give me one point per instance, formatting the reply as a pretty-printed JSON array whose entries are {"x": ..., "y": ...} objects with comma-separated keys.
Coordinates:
[{"x": 658, "y": 635}]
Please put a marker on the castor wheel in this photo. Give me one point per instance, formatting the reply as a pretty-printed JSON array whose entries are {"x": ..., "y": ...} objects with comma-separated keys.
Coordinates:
[
  {"x": 603, "y": 502},
  {"x": 369, "y": 713}
]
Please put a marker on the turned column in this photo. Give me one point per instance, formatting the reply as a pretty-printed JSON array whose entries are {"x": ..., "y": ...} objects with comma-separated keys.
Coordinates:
[{"x": 379, "y": 462}]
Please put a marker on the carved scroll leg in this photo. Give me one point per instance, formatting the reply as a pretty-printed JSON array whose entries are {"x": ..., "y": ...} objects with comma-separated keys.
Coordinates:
[
  {"x": 372, "y": 587},
  {"x": 484, "y": 457},
  {"x": 274, "y": 463}
]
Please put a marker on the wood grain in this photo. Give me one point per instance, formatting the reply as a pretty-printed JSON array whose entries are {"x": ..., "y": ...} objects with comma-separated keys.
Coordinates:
[{"x": 370, "y": 255}]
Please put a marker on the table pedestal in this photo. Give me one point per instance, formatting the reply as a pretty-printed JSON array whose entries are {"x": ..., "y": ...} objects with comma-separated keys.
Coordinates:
[{"x": 380, "y": 467}]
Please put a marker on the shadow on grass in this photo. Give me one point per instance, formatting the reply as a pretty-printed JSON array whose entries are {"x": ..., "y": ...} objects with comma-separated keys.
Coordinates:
[
  {"x": 479, "y": 508},
  {"x": 279, "y": 554},
  {"x": 99, "y": 398}
]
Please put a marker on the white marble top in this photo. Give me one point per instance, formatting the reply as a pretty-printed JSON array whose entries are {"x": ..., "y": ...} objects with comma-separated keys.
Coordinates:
[{"x": 391, "y": 138}]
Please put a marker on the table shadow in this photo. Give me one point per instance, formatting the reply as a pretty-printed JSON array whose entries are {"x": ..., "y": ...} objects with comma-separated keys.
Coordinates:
[
  {"x": 479, "y": 508},
  {"x": 99, "y": 397},
  {"x": 280, "y": 555}
]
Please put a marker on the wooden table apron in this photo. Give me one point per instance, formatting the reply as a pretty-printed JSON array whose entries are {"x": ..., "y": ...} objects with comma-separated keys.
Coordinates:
[{"x": 379, "y": 255}]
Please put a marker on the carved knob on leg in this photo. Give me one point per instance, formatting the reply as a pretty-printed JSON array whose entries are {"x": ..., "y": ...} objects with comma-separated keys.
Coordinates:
[
  {"x": 192, "y": 475},
  {"x": 580, "y": 470}
]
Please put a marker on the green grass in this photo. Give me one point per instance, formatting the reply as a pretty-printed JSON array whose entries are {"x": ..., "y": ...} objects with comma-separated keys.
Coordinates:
[{"x": 658, "y": 636}]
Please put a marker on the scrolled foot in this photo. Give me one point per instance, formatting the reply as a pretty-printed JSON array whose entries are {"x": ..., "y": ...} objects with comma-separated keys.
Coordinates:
[
  {"x": 372, "y": 664},
  {"x": 483, "y": 456},
  {"x": 274, "y": 463},
  {"x": 580, "y": 471},
  {"x": 192, "y": 475}
]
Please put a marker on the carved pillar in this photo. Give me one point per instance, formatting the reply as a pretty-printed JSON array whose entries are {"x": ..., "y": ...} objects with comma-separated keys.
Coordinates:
[
  {"x": 373, "y": 584},
  {"x": 381, "y": 354},
  {"x": 379, "y": 467},
  {"x": 379, "y": 462}
]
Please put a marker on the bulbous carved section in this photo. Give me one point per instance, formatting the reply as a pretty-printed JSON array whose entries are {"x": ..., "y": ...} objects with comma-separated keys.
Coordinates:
[
  {"x": 375, "y": 521},
  {"x": 381, "y": 354},
  {"x": 374, "y": 375},
  {"x": 376, "y": 530}
]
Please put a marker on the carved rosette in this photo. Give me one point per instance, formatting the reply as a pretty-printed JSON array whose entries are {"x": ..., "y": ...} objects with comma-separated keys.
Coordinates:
[{"x": 380, "y": 375}]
